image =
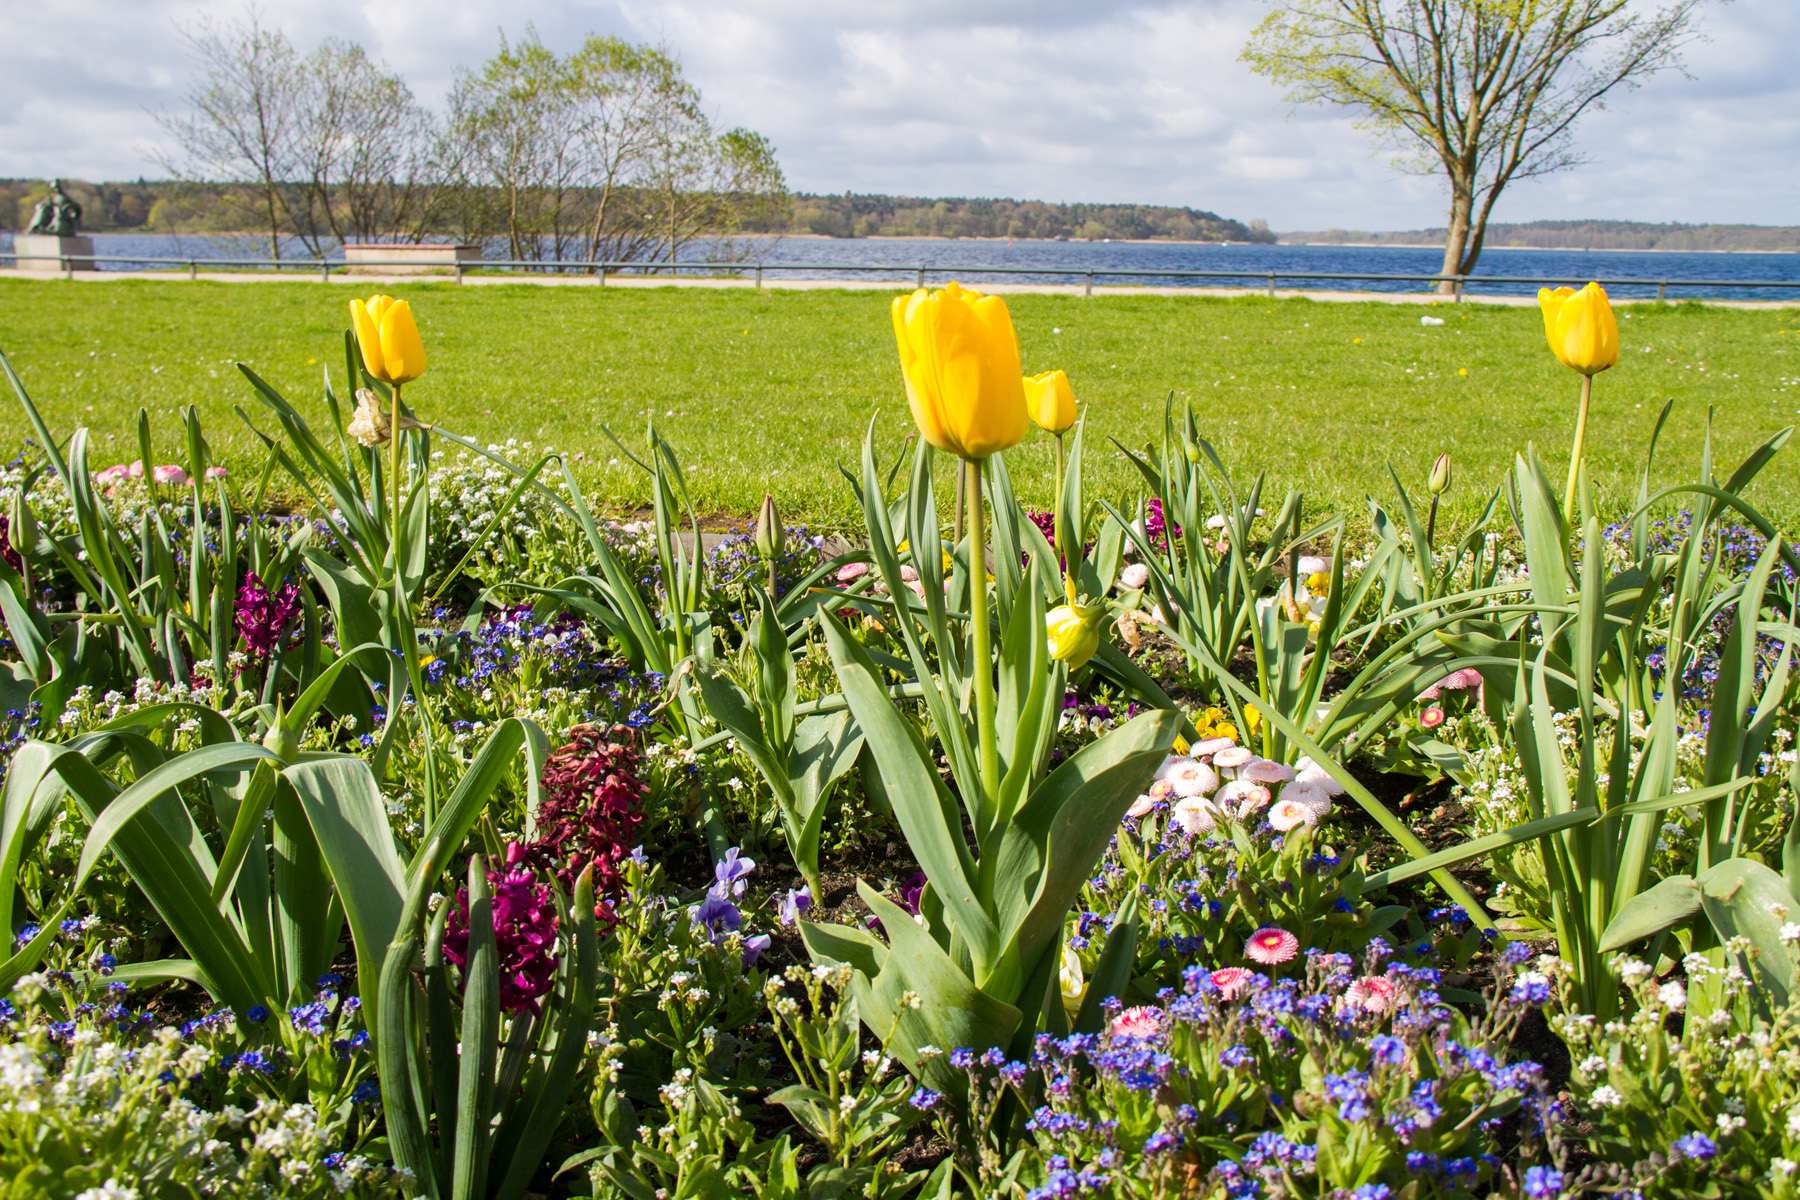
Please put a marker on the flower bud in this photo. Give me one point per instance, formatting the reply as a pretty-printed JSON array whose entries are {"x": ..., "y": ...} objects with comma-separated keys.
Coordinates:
[
  {"x": 21, "y": 525},
  {"x": 283, "y": 738},
  {"x": 1439, "y": 483},
  {"x": 771, "y": 538},
  {"x": 1074, "y": 632}
]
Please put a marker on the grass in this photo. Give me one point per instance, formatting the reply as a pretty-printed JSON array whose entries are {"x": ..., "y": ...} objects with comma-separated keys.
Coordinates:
[{"x": 773, "y": 389}]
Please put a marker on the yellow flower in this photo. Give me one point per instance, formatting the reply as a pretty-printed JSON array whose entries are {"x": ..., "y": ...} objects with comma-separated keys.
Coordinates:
[
  {"x": 391, "y": 349},
  {"x": 1580, "y": 328},
  {"x": 960, "y": 360},
  {"x": 1050, "y": 402},
  {"x": 1252, "y": 719},
  {"x": 1074, "y": 632}
]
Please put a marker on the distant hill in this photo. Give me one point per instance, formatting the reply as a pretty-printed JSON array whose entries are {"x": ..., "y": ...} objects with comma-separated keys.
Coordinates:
[
  {"x": 854, "y": 215},
  {"x": 1583, "y": 235}
]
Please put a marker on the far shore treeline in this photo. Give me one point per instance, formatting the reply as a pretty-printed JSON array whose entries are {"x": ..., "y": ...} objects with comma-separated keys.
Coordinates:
[{"x": 182, "y": 207}]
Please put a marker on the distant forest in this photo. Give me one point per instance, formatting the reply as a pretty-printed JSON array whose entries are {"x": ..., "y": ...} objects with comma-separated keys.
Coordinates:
[
  {"x": 1584, "y": 235},
  {"x": 852, "y": 215},
  {"x": 191, "y": 208}
]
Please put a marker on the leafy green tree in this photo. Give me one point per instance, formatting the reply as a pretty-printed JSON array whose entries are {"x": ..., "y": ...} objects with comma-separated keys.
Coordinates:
[{"x": 1483, "y": 91}]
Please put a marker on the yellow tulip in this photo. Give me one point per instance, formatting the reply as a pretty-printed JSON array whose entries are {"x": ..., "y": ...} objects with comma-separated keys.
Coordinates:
[
  {"x": 391, "y": 349},
  {"x": 1580, "y": 327},
  {"x": 1050, "y": 402},
  {"x": 1074, "y": 633},
  {"x": 960, "y": 361}
]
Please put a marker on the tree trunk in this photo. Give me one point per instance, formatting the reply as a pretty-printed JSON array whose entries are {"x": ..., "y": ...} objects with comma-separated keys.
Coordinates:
[{"x": 1462, "y": 204}]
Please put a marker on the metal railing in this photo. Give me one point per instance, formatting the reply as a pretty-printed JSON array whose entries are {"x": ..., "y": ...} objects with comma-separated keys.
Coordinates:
[{"x": 326, "y": 267}]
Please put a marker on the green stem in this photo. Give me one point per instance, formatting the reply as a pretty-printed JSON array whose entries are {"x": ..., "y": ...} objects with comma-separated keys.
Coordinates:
[
  {"x": 982, "y": 661},
  {"x": 394, "y": 478},
  {"x": 1587, "y": 391},
  {"x": 1056, "y": 527}
]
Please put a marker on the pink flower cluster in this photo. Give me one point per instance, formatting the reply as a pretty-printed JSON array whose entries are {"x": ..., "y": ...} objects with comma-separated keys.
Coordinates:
[
  {"x": 167, "y": 473},
  {"x": 524, "y": 914},
  {"x": 593, "y": 805}
]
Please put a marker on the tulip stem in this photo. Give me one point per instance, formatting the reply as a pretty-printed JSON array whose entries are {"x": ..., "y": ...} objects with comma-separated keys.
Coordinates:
[
  {"x": 957, "y": 520},
  {"x": 394, "y": 477},
  {"x": 1056, "y": 511},
  {"x": 982, "y": 658},
  {"x": 1587, "y": 391}
]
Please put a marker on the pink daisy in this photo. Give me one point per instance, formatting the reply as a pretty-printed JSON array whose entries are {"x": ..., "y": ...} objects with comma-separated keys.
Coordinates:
[
  {"x": 1311, "y": 772},
  {"x": 1141, "y": 807},
  {"x": 1465, "y": 680},
  {"x": 1307, "y": 792},
  {"x": 1372, "y": 994},
  {"x": 1270, "y": 945},
  {"x": 850, "y": 572},
  {"x": 1432, "y": 717},
  {"x": 1231, "y": 981},
  {"x": 1192, "y": 779},
  {"x": 1197, "y": 815},
  {"x": 1136, "y": 1024},
  {"x": 1232, "y": 757},
  {"x": 1265, "y": 771},
  {"x": 1287, "y": 814},
  {"x": 1207, "y": 747},
  {"x": 1248, "y": 797}
]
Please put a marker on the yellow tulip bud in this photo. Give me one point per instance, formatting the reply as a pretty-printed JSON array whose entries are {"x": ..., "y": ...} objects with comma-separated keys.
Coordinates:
[
  {"x": 1074, "y": 632},
  {"x": 1050, "y": 402},
  {"x": 1580, "y": 328},
  {"x": 960, "y": 361},
  {"x": 1439, "y": 483},
  {"x": 388, "y": 339}
]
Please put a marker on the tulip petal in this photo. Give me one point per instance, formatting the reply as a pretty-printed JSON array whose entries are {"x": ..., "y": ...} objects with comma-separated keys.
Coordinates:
[
  {"x": 400, "y": 344},
  {"x": 368, "y": 340}
]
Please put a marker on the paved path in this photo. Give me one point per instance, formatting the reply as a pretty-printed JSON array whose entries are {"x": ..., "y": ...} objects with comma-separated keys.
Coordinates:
[{"x": 856, "y": 285}]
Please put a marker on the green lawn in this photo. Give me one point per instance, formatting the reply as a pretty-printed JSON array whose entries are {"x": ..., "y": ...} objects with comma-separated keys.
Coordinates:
[{"x": 771, "y": 390}]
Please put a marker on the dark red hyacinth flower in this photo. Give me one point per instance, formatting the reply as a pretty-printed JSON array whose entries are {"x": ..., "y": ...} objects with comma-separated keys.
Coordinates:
[
  {"x": 593, "y": 804},
  {"x": 263, "y": 617}
]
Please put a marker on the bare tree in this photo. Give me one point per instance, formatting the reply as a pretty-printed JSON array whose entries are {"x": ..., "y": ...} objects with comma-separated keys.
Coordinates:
[
  {"x": 617, "y": 91},
  {"x": 606, "y": 155},
  {"x": 247, "y": 112},
  {"x": 520, "y": 167},
  {"x": 364, "y": 151},
  {"x": 1483, "y": 91}
]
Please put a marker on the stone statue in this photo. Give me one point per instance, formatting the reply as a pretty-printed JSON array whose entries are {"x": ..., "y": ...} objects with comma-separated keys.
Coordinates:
[{"x": 56, "y": 215}]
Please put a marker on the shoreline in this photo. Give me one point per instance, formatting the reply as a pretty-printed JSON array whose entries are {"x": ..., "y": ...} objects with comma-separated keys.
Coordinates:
[{"x": 890, "y": 237}]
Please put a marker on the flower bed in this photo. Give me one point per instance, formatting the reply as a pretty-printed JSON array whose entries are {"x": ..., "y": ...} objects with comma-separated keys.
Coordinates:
[{"x": 448, "y": 838}]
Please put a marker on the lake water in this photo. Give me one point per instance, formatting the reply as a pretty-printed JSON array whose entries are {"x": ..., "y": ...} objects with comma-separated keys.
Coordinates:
[{"x": 1501, "y": 271}]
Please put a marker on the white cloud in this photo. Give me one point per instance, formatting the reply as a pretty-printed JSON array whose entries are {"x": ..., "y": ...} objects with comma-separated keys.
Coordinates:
[{"x": 1059, "y": 100}]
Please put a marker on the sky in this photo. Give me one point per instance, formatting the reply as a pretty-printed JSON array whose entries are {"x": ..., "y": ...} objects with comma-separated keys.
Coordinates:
[{"x": 1062, "y": 100}]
